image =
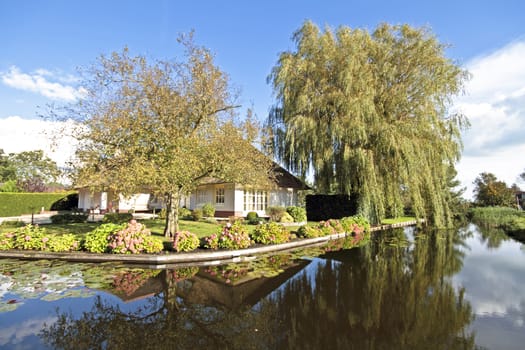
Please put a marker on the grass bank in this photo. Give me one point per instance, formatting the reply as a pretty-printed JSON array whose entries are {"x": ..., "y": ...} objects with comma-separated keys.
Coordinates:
[
  {"x": 401, "y": 219},
  {"x": 510, "y": 220}
]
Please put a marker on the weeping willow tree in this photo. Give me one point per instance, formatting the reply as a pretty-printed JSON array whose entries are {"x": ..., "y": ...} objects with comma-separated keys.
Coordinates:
[{"x": 368, "y": 115}]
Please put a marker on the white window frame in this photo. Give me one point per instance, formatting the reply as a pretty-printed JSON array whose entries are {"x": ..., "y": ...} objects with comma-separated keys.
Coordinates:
[
  {"x": 255, "y": 200},
  {"x": 220, "y": 197},
  {"x": 202, "y": 196}
]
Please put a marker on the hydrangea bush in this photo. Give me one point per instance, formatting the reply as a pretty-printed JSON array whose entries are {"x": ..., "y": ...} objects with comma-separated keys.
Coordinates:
[
  {"x": 131, "y": 239},
  {"x": 230, "y": 237},
  {"x": 270, "y": 233},
  {"x": 97, "y": 240},
  {"x": 153, "y": 245},
  {"x": 31, "y": 237},
  {"x": 63, "y": 243},
  {"x": 357, "y": 226},
  {"x": 7, "y": 240},
  {"x": 185, "y": 241}
]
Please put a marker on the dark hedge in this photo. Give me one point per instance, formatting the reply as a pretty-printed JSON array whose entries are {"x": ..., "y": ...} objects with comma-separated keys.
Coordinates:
[
  {"x": 15, "y": 204},
  {"x": 323, "y": 207}
]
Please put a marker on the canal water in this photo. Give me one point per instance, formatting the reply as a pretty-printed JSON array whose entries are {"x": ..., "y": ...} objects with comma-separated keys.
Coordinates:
[{"x": 461, "y": 289}]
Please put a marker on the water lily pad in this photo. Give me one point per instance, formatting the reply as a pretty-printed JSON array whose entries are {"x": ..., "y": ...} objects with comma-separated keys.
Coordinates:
[{"x": 6, "y": 307}]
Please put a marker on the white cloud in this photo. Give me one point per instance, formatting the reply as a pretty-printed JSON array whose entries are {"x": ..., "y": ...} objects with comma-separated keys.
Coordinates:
[
  {"x": 43, "y": 82},
  {"x": 495, "y": 105},
  {"x": 16, "y": 333},
  {"x": 18, "y": 135},
  {"x": 506, "y": 164}
]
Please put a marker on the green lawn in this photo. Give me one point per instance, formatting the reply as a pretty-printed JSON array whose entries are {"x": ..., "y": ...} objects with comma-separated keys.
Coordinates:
[
  {"x": 200, "y": 228},
  {"x": 397, "y": 220}
]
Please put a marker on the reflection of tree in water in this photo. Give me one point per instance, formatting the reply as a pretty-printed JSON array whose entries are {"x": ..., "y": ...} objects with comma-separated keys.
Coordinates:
[
  {"x": 492, "y": 237},
  {"x": 392, "y": 294},
  {"x": 163, "y": 322},
  {"x": 380, "y": 297}
]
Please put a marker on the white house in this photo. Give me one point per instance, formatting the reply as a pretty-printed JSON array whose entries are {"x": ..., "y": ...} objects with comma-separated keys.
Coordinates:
[{"x": 229, "y": 199}]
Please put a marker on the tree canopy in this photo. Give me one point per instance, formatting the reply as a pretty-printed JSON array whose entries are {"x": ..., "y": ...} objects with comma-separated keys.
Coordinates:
[
  {"x": 368, "y": 115},
  {"x": 162, "y": 126},
  {"x": 28, "y": 171},
  {"x": 490, "y": 192}
]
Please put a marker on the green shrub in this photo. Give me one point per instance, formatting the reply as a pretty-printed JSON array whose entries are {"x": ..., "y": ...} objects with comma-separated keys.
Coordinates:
[
  {"x": 185, "y": 213},
  {"x": 286, "y": 218},
  {"x": 309, "y": 232},
  {"x": 117, "y": 218},
  {"x": 30, "y": 237},
  {"x": 330, "y": 227},
  {"x": 230, "y": 237},
  {"x": 97, "y": 240},
  {"x": 7, "y": 240},
  {"x": 355, "y": 224},
  {"x": 275, "y": 213},
  {"x": 252, "y": 218},
  {"x": 67, "y": 218},
  {"x": 196, "y": 214},
  {"x": 208, "y": 210},
  {"x": 129, "y": 239},
  {"x": 63, "y": 243},
  {"x": 185, "y": 241},
  {"x": 15, "y": 204},
  {"x": 153, "y": 245},
  {"x": 297, "y": 213},
  {"x": 270, "y": 233}
]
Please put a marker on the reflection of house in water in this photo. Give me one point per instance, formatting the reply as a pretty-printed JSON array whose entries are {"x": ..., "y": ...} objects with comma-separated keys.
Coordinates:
[{"x": 206, "y": 289}]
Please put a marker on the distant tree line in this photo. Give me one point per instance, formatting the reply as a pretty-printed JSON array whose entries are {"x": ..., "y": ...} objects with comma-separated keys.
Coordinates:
[{"x": 28, "y": 171}]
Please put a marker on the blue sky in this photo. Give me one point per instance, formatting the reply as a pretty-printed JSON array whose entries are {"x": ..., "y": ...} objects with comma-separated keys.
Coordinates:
[{"x": 42, "y": 43}]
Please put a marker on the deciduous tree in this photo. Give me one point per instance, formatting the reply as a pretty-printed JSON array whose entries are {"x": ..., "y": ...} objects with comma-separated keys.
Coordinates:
[
  {"x": 489, "y": 191},
  {"x": 30, "y": 170},
  {"x": 162, "y": 126},
  {"x": 367, "y": 114}
]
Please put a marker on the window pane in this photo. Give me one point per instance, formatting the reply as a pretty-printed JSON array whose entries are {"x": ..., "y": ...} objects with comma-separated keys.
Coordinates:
[{"x": 219, "y": 195}]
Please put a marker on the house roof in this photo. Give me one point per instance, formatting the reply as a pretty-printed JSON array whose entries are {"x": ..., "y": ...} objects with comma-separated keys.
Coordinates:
[
  {"x": 285, "y": 179},
  {"x": 282, "y": 178}
]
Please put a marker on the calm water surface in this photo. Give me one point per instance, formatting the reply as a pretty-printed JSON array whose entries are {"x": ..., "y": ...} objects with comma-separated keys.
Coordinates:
[{"x": 405, "y": 290}]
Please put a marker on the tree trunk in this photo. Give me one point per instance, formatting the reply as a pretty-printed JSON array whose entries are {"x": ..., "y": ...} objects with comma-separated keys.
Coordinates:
[{"x": 172, "y": 214}]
